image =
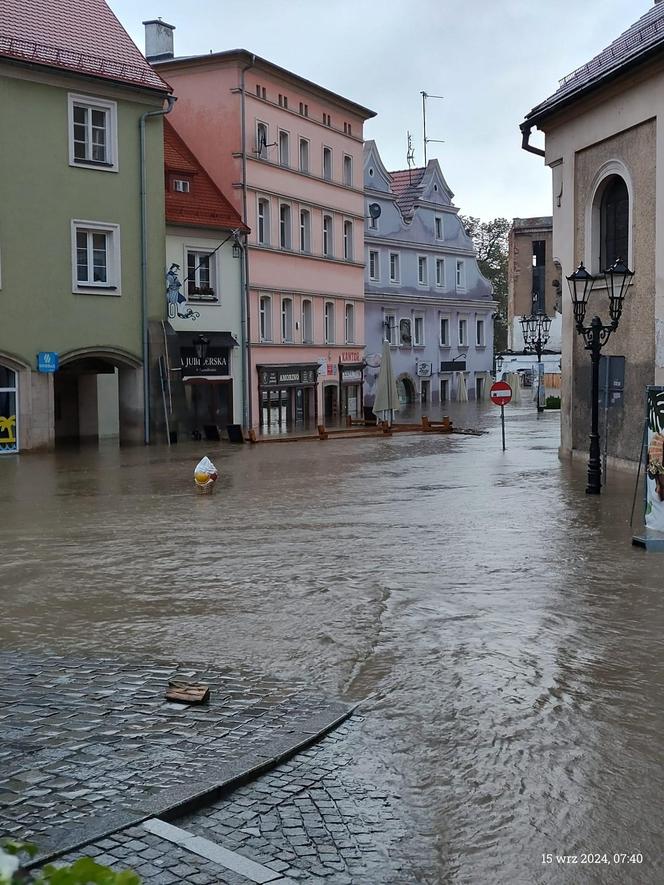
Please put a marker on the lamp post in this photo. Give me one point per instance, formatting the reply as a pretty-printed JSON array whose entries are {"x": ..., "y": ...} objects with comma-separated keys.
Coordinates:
[
  {"x": 201, "y": 344},
  {"x": 536, "y": 330},
  {"x": 595, "y": 336}
]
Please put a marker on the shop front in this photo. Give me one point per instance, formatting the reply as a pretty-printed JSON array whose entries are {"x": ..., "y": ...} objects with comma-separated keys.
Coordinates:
[
  {"x": 287, "y": 395},
  {"x": 8, "y": 410},
  {"x": 206, "y": 361},
  {"x": 351, "y": 388}
]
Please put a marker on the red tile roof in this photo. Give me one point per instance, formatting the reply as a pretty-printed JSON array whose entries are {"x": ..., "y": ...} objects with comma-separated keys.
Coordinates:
[
  {"x": 406, "y": 187},
  {"x": 78, "y": 35},
  {"x": 204, "y": 205}
]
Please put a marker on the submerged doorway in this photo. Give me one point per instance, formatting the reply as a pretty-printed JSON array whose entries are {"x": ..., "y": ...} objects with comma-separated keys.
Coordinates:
[
  {"x": 210, "y": 406},
  {"x": 8, "y": 410}
]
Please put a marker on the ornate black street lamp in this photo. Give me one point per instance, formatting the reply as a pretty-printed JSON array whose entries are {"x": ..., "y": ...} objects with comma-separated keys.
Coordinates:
[
  {"x": 201, "y": 344},
  {"x": 595, "y": 336},
  {"x": 536, "y": 330}
]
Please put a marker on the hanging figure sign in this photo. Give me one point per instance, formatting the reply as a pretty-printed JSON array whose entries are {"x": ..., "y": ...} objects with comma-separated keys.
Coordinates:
[{"x": 175, "y": 298}]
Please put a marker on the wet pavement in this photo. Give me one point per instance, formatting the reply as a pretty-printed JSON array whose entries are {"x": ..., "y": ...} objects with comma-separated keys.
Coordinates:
[{"x": 503, "y": 633}]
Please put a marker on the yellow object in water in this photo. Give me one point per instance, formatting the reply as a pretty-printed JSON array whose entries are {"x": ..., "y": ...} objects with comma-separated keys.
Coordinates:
[{"x": 202, "y": 478}]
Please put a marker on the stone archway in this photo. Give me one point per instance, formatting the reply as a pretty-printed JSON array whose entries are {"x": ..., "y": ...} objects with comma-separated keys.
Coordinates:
[
  {"x": 406, "y": 389},
  {"x": 98, "y": 394}
]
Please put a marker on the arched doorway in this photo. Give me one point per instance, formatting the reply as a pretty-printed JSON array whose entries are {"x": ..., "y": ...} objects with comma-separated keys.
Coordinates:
[
  {"x": 8, "y": 410},
  {"x": 98, "y": 395},
  {"x": 405, "y": 389}
]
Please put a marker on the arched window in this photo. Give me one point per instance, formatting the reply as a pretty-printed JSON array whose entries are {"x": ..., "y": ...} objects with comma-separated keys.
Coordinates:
[
  {"x": 329, "y": 322},
  {"x": 305, "y": 230},
  {"x": 614, "y": 222},
  {"x": 263, "y": 222},
  {"x": 284, "y": 226},
  {"x": 307, "y": 323},
  {"x": 348, "y": 240},
  {"x": 286, "y": 319},
  {"x": 266, "y": 318}
]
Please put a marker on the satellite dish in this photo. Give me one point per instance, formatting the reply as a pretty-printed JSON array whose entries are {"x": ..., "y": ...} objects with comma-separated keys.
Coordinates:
[{"x": 374, "y": 210}]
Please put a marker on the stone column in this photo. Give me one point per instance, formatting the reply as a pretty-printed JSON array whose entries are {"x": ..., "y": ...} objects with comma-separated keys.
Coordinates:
[{"x": 130, "y": 394}]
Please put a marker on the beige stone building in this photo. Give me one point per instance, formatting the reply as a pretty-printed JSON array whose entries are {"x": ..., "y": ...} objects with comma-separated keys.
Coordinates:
[
  {"x": 533, "y": 279},
  {"x": 604, "y": 142}
]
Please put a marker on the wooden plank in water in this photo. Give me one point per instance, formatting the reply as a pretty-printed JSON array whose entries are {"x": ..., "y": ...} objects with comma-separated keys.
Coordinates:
[{"x": 187, "y": 692}]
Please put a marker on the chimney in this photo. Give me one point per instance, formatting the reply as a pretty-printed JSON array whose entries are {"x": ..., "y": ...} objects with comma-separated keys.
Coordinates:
[{"x": 158, "y": 40}]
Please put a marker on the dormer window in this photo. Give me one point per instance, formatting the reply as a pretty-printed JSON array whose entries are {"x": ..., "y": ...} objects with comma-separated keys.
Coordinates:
[{"x": 181, "y": 185}]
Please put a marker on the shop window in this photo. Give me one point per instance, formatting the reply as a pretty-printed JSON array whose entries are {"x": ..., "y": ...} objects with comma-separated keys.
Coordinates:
[
  {"x": 201, "y": 282},
  {"x": 8, "y": 410},
  {"x": 307, "y": 322},
  {"x": 350, "y": 324},
  {"x": 329, "y": 322},
  {"x": 265, "y": 317}
]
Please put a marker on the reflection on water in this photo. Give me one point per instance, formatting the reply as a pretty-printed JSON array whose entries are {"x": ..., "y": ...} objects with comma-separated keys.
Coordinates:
[{"x": 507, "y": 636}]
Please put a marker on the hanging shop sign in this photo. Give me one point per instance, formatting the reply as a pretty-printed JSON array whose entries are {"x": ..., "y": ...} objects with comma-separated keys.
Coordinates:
[
  {"x": 287, "y": 376},
  {"x": 214, "y": 362},
  {"x": 424, "y": 369},
  {"x": 47, "y": 361},
  {"x": 351, "y": 372},
  {"x": 453, "y": 366}
]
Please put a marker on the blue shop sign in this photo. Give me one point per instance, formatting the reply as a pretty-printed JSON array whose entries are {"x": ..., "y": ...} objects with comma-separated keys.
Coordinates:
[{"x": 47, "y": 361}]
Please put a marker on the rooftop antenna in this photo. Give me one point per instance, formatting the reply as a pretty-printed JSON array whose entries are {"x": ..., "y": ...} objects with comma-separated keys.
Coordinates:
[
  {"x": 410, "y": 155},
  {"x": 427, "y": 141}
]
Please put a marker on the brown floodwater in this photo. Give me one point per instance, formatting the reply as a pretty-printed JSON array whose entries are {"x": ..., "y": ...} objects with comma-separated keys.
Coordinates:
[{"x": 506, "y": 638}]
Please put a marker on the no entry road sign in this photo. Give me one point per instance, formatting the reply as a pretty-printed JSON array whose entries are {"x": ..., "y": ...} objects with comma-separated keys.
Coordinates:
[{"x": 500, "y": 393}]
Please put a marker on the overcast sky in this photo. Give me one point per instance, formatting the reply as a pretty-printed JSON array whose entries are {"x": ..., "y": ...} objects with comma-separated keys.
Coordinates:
[{"x": 492, "y": 60}]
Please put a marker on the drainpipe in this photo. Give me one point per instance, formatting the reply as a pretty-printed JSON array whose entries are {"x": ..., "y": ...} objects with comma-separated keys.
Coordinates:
[
  {"x": 527, "y": 146},
  {"x": 248, "y": 411},
  {"x": 171, "y": 99},
  {"x": 246, "y": 399}
]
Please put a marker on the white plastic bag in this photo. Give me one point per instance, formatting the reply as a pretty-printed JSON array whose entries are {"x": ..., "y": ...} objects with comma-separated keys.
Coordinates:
[{"x": 205, "y": 471}]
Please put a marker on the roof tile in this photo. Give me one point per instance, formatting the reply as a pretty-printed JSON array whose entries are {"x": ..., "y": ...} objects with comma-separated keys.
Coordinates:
[{"x": 406, "y": 186}]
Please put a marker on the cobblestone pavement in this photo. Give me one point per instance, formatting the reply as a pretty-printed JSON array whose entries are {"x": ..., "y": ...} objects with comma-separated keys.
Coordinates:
[
  {"x": 310, "y": 820},
  {"x": 87, "y": 747}
]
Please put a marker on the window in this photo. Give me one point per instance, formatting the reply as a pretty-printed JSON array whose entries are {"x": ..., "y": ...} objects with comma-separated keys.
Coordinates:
[
  {"x": 438, "y": 227},
  {"x": 444, "y": 332},
  {"x": 327, "y": 164},
  {"x": 463, "y": 333},
  {"x": 287, "y": 319},
  {"x": 305, "y": 230},
  {"x": 444, "y": 390},
  {"x": 479, "y": 336},
  {"x": 326, "y": 119},
  {"x": 394, "y": 267},
  {"x": 350, "y": 324},
  {"x": 461, "y": 274},
  {"x": 307, "y": 323},
  {"x": 479, "y": 387},
  {"x": 419, "y": 331},
  {"x": 96, "y": 256},
  {"x": 284, "y": 149},
  {"x": 283, "y": 101},
  {"x": 348, "y": 170},
  {"x": 348, "y": 129},
  {"x": 304, "y": 109},
  {"x": 390, "y": 327},
  {"x": 348, "y": 240},
  {"x": 422, "y": 270},
  {"x": 260, "y": 91},
  {"x": 263, "y": 222},
  {"x": 93, "y": 133},
  {"x": 405, "y": 332},
  {"x": 265, "y": 318},
  {"x": 440, "y": 273},
  {"x": 614, "y": 223},
  {"x": 261, "y": 140},
  {"x": 539, "y": 281},
  {"x": 181, "y": 185},
  {"x": 200, "y": 275},
  {"x": 329, "y": 322},
  {"x": 327, "y": 236},
  {"x": 304, "y": 155},
  {"x": 374, "y": 273},
  {"x": 284, "y": 226}
]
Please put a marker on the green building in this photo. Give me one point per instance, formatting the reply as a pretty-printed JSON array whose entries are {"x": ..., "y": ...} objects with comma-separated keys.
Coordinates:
[{"x": 81, "y": 241}]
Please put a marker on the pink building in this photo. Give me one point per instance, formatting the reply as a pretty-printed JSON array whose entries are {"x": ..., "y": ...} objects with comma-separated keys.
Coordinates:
[{"x": 288, "y": 154}]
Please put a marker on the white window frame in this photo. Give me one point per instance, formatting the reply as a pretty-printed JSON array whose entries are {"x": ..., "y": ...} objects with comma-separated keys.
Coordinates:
[
  {"x": 419, "y": 341},
  {"x": 112, "y": 286},
  {"x": 446, "y": 341},
  {"x": 303, "y": 142},
  {"x": 329, "y": 319},
  {"x": 111, "y": 109},
  {"x": 284, "y": 141},
  {"x": 440, "y": 273},
  {"x": 264, "y": 223},
  {"x": 348, "y": 240},
  {"x": 422, "y": 278},
  {"x": 214, "y": 275},
  {"x": 287, "y": 320},
  {"x": 462, "y": 339},
  {"x": 349, "y": 323},
  {"x": 347, "y": 169},
  {"x": 305, "y": 231},
  {"x": 261, "y": 153},
  {"x": 328, "y": 237},
  {"x": 390, "y": 329},
  {"x": 327, "y": 150},
  {"x": 439, "y": 229},
  {"x": 307, "y": 334},
  {"x": 374, "y": 257},
  {"x": 460, "y": 274},
  {"x": 265, "y": 318},
  {"x": 285, "y": 227},
  {"x": 396, "y": 279},
  {"x": 478, "y": 342}
]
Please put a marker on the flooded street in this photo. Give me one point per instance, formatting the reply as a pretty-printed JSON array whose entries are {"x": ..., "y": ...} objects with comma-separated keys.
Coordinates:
[{"x": 504, "y": 636}]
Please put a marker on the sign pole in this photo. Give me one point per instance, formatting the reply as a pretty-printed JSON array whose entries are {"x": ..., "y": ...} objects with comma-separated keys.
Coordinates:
[
  {"x": 501, "y": 394},
  {"x": 502, "y": 421}
]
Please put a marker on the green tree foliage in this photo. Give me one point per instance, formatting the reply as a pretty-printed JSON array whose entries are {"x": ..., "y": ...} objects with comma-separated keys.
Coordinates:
[
  {"x": 83, "y": 871},
  {"x": 490, "y": 239}
]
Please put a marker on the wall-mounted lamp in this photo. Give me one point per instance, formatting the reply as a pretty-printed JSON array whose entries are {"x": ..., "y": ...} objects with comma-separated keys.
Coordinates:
[{"x": 201, "y": 344}]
